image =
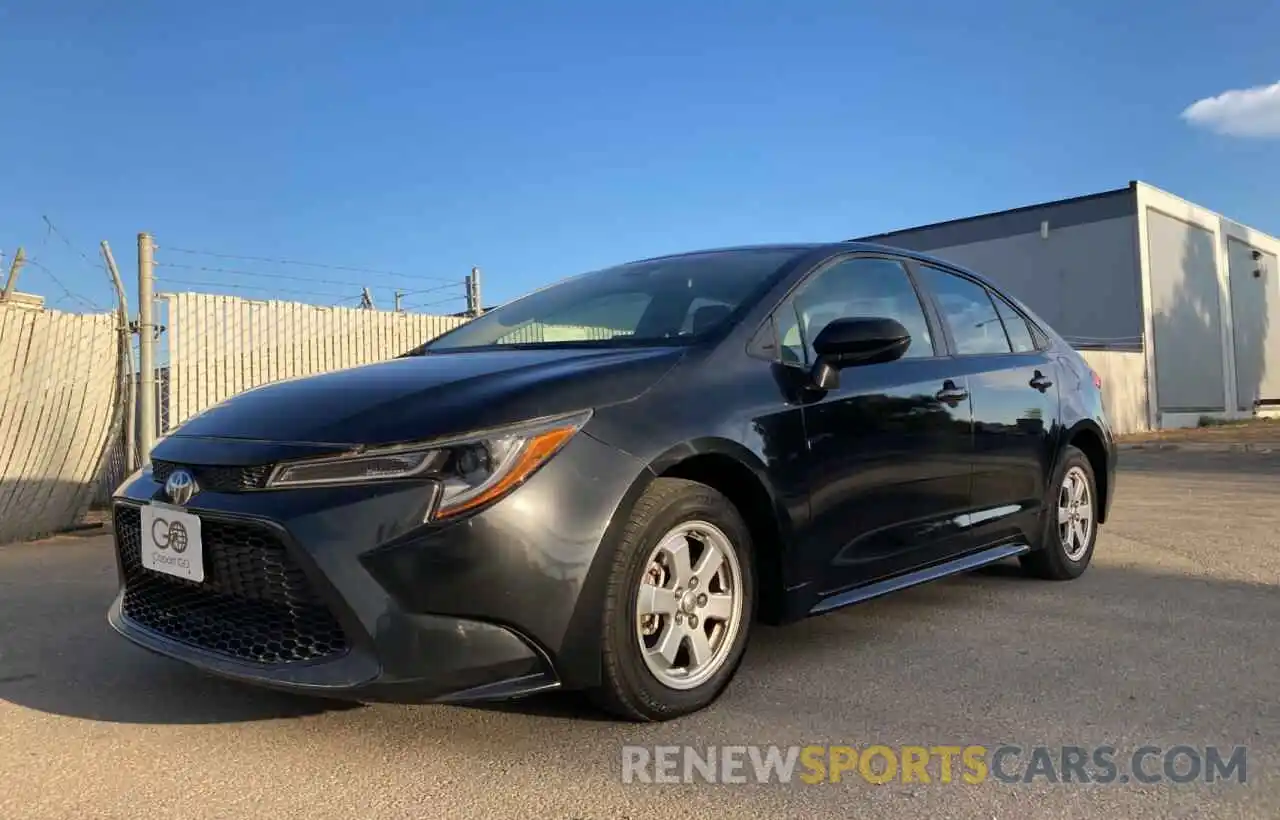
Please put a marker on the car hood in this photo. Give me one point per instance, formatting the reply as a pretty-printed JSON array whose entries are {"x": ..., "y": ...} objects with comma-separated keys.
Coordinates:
[{"x": 423, "y": 397}]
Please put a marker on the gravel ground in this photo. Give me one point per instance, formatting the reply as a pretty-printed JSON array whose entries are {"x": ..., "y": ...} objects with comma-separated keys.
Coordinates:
[
  {"x": 1260, "y": 431},
  {"x": 1168, "y": 639}
]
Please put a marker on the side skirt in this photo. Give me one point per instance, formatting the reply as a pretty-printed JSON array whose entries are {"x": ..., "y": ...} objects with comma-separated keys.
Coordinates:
[{"x": 920, "y": 576}]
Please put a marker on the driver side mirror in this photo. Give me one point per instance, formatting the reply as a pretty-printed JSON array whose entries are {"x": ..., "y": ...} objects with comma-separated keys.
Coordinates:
[{"x": 854, "y": 342}]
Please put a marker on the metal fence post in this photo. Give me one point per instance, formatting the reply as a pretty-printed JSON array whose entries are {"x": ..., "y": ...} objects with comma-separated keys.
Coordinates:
[
  {"x": 473, "y": 293},
  {"x": 146, "y": 346},
  {"x": 11, "y": 283},
  {"x": 130, "y": 386}
]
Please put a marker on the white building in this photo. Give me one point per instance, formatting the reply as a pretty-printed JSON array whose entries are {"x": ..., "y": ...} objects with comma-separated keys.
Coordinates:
[{"x": 1180, "y": 305}]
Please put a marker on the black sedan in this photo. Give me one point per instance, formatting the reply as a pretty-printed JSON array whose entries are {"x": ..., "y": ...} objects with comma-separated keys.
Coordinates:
[{"x": 603, "y": 485}]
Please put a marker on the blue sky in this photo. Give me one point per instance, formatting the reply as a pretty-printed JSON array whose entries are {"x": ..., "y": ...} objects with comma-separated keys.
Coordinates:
[{"x": 538, "y": 140}]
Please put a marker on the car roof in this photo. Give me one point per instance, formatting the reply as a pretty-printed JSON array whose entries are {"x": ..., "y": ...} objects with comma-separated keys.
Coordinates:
[
  {"x": 798, "y": 248},
  {"x": 820, "y": 250},
  {"x": 832, "y": 248}
]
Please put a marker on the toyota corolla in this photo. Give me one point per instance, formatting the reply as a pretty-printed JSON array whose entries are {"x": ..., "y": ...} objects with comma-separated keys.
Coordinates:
[{"x": 604, "y": 485}]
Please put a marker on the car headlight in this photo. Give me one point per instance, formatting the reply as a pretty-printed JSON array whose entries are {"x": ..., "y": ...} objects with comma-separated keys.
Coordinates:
[{"x": 472, "y": 469}]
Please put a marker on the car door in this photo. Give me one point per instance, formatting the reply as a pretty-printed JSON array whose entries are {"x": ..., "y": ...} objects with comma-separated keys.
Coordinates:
[
  {"x": 888, "y": 452},
  {"x": 1014, "y": 392}
]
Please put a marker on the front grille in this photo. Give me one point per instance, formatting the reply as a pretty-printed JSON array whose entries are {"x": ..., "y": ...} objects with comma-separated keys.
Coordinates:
[
  {"x": 217, "y": 479},
  {"x": 255, "y": 603}
]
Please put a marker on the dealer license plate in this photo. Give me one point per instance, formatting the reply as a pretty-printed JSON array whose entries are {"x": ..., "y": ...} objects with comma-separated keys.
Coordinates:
[{"x": 171, "y": 542}]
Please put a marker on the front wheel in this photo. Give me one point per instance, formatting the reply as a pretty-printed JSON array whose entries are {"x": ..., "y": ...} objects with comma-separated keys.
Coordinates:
[
  {"x": 1071, "y": 522},
  {"x": 679, "y": 603}
]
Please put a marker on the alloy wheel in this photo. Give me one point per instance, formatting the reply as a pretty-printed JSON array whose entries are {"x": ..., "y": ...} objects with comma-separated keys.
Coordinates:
[
  {"x": 689, "y": 605},
  {"x": 1075, "y": 514}
]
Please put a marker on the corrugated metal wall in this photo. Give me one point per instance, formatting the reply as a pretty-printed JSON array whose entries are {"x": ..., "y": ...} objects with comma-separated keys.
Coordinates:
[{"x": 60, "y": 376}]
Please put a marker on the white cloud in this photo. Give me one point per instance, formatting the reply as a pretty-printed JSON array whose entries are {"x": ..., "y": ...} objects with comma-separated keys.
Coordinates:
[
  {"x": 1240, "y": 113},
  {"x": 1246, "y": 112}
]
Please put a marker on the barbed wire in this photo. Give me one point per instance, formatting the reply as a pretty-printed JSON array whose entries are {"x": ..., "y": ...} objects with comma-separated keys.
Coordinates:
[
  {"x": 1101, "y": 340},
  {"x": 265, "y": 279},
  {"x": 421, "y": 305},
  {"x": 283, "y": 261},
  {"x": 67, "y": 292},
  {"x": 97, "y": 264},
  {"x": 436, "y": 289},
  {"x": 1104, "y": 338},
  {"x": 289, "y": 277},
  {"x": 230, "y": 285},
  {"x": 313, "y": 296}
]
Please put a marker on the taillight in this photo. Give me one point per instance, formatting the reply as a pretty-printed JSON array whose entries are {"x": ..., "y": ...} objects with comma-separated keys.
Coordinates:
[{"x": 1097, "y": 380}]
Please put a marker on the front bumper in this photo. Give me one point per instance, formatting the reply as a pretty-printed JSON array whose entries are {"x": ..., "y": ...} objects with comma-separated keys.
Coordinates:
[
  {"x": 470, "y": 660},
  {"x": 370, "y": 603}
]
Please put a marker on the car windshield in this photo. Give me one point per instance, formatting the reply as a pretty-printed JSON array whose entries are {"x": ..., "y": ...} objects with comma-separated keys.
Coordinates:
[{"x": 668, "y": 300}]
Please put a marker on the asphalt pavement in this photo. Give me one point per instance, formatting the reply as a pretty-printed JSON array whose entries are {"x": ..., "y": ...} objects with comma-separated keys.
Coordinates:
[{"x": 1168, "y": 640}]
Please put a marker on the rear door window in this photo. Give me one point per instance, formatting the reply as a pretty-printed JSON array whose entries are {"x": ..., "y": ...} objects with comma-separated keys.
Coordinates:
[
  {"x": 967, "y": 309},
  {"x": 1015, "y": 325}
]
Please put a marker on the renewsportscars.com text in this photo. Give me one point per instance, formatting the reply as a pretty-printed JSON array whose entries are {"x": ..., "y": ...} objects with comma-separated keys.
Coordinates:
[{"x": 968, "y": 765}]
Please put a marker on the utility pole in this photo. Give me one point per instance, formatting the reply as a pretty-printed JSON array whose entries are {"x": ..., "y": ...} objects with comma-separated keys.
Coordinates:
[
  {"x": 474, "y": 304},
  {"x": 399, "y": 296},
  {"x": 19, "y": 259},
  {"x": 146, "y": 346},
  {"x": 366, "y": 299},
  {"x": 130, "y": 387}
]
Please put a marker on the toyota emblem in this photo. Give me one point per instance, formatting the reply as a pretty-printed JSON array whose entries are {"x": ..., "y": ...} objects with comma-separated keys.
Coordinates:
[{"x": 180, "y": 486}]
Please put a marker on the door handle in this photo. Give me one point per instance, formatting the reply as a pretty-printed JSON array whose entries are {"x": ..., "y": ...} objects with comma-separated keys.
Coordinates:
[
  {"x": 950, "y": 394},
  {"x": 1040, "y": 383}
]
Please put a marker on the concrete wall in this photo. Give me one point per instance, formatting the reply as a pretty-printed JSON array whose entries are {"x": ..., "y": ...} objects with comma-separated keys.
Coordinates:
[
  {"x": 1081, "y": 277},
  {"x": 1186, "y": 315}
]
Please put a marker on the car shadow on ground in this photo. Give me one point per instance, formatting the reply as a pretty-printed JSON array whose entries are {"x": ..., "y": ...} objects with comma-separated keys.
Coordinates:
[
  {"x": 58, "y": 655},
  {"x": 118, "y": 683}
]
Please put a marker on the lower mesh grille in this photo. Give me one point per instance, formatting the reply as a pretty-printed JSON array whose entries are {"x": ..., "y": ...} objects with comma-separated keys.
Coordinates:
[{"x": 255, "y": 603}]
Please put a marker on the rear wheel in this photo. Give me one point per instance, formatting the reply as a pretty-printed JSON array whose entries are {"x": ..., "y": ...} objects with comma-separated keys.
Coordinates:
[
  {"x": 1071, "y": 522},
  {"x": 679, "y": 603}
]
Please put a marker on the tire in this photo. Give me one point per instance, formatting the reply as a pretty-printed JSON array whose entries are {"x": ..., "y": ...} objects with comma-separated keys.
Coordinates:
[
  {"x": 630, "y": 686},
  {"x": 1065, "y": 556}
]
